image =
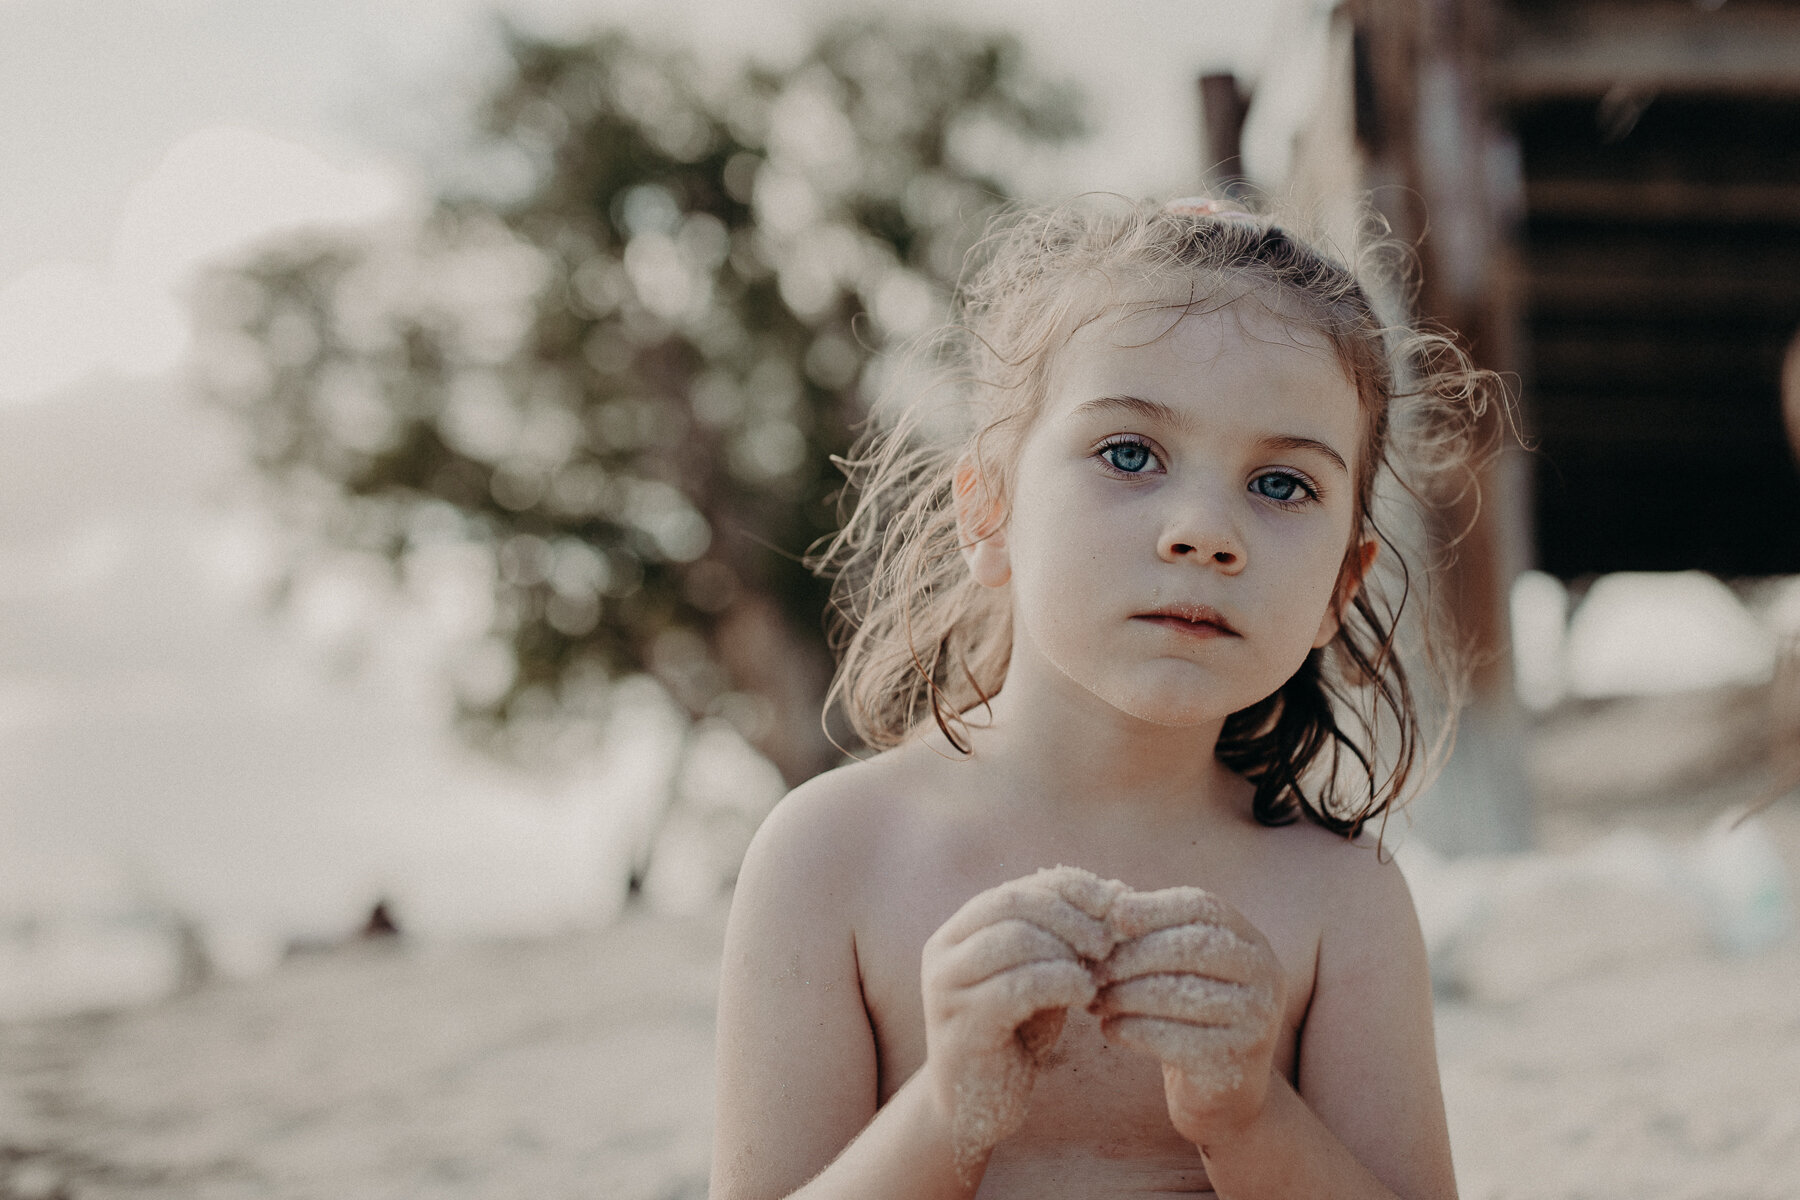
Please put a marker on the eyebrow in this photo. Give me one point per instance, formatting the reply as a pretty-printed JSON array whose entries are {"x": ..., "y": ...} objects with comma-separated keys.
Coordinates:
[{"x": 1154, "y": 410}]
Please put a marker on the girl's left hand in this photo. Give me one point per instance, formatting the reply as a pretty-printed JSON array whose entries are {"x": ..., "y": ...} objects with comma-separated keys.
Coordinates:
[{"x": 1192, "y": 982}]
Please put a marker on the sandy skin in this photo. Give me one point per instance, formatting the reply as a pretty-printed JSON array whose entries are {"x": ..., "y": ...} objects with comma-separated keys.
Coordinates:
[{"x": 1176, "y": 973}]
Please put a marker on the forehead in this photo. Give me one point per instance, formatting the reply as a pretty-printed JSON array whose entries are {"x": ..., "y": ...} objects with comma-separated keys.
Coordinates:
[{"x": 1240, "y": 354}]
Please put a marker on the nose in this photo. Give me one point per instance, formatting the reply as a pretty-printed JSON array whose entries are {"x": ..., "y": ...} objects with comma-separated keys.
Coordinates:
[
  {"x": 1227, "y": 557},
  {"x": 1203, "y": 532}
]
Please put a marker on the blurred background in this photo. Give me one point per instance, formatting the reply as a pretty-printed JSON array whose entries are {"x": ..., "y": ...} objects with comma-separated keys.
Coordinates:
[{"x": 412, "y": 418}]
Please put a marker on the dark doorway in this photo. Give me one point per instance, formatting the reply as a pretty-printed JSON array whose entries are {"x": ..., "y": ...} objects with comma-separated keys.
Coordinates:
[{"x": 1661, "y": 250}]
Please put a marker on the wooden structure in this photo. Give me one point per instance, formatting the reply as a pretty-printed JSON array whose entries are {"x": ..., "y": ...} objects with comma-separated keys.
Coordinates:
[
  {"x": 1606, "y": 199},
  {"x": 1660, "y": 147}
]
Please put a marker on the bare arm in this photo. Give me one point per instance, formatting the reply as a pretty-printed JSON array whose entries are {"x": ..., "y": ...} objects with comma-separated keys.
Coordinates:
[
  {"x": 797, "y": 1074},
  {"x": 1368, "y": 1119},
  {"x": 796, "y": 1065}
]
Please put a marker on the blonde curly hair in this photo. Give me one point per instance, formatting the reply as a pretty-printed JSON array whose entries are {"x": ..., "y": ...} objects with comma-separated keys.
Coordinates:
[{"x": 918, "y": 639}]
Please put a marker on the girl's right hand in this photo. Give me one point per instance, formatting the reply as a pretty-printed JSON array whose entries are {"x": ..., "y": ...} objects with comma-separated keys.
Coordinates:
[{"x": 998, "y": 978}]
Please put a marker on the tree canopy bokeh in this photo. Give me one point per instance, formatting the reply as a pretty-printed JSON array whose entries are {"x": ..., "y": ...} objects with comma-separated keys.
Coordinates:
[{"x": 609, "y": 381}]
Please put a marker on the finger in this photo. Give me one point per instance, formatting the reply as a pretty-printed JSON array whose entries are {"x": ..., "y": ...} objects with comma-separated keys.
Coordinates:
[
  {"x": 1023, "y": 900},
  {"x": 1137, "y": 913},
  {"x": 1084, "y": 889},
  {"x": 1000, "y": 947},
  {"x": 1194, "y": 949},
  {"x": 1185, "y": 998},
  {"x": 1198, "y": 1050},
  {"x": 1013, "y": 997}
]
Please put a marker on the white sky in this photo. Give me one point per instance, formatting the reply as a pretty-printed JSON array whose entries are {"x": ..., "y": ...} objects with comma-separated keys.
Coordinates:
[{"x": 142, "y": 136}]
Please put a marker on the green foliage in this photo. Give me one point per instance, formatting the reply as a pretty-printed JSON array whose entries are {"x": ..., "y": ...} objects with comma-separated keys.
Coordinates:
[{"x": 617, "y": 375}]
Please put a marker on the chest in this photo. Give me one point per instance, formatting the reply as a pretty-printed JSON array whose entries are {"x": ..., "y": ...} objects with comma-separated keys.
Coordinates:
[{"x": 1103, "y": 1098}]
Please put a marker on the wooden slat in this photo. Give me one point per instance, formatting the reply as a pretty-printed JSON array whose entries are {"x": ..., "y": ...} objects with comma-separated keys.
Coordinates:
[
  {"x": 1648, "y": 279},
  {"x": 1590, "y": 49},
  {"x": 1573, "y": 292},
  {"x": 1665, "y": 201}
]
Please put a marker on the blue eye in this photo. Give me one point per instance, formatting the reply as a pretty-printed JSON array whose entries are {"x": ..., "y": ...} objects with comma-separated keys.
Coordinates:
[
  {"x": 1282, "y": 487},
  {"x": 1129, "y": 457}
]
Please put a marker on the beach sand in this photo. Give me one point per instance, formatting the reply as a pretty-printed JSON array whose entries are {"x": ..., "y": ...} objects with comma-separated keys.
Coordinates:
[
  {"x": 582, "y": 1067},
  {"x": 569, "y": 1067}
]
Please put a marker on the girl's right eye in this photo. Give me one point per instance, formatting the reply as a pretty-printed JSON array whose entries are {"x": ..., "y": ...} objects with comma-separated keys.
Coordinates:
[{"x": 1129, "y": 456}]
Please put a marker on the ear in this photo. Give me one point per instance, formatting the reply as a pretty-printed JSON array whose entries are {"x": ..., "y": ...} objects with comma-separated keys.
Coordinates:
[
  {"x": 981, "y": 529},
  {"x": 1355, "y": 571}
]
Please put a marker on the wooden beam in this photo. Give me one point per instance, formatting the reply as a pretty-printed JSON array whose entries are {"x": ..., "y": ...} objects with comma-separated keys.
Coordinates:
[
  {"x": 1590, "y": 283},
  {"x": 1670, "y": 200},
  {"x": 1592, "y": 49},
  {"x": 1223, "y": 108}
]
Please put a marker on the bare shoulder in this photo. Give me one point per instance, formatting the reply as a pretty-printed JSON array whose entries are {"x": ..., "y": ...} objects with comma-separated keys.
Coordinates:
[
  {"x": 829, "y": 817},
  {"x": 1368, "y": 902},
  {"x": 817, "y": 846},
  {"x": 1349, "y": 880}
]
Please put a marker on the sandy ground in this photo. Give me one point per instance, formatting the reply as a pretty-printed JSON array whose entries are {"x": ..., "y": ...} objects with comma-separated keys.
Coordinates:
[
  {"x": 581, "y": 1067},
  {"x": 1604, "y": 1067},
  {"x": 559, "y": 1068}
]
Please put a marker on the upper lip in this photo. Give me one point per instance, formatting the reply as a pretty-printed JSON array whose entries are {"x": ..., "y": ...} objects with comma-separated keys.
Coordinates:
[{"x": 1197, "y": 614}]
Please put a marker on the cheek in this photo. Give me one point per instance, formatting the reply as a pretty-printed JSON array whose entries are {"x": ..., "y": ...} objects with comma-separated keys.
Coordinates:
[
  {"x": 1052, "y": 515},
  {"x": 1311, "y": 585},
  {"x": 1311, "y": 552}
]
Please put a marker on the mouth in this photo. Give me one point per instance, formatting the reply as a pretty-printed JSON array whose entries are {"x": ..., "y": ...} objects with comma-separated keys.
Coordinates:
[{"x": 1195, "y": 620}]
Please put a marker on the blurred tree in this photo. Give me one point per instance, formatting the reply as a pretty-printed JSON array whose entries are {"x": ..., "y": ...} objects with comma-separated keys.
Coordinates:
[{"x": 603, "y": 385}]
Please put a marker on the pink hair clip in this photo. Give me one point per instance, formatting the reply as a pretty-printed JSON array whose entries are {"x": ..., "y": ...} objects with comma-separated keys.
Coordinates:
[{"x": 1205, "y": 206}]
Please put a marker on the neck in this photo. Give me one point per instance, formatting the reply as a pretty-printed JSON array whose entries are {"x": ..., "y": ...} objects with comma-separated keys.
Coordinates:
[{"x": 1067, "y": 751}]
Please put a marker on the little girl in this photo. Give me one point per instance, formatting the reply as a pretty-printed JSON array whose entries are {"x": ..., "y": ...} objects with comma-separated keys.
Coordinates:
[{"x": 1099, "y": 920}]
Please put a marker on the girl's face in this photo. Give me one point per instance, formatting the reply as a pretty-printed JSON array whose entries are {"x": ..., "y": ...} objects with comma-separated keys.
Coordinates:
[{"x": 1180, "y": 512}]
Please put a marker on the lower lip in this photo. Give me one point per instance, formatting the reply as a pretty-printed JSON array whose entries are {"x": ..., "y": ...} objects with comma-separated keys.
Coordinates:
[{"x": 1189, "y": 628}]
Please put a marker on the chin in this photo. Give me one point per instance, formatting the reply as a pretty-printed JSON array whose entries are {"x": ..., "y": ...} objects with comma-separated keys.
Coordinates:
[
  {"x": 1175, "y": 707},
  {"x": 1172, "y": 693}
]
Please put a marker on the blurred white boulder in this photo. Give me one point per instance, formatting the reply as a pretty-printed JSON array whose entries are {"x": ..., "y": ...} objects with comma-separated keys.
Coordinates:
[
  {"x": 1646, "y": 634},
  {"x": 1539, "y": 608},
  {"x": 1781, "y": 609}
]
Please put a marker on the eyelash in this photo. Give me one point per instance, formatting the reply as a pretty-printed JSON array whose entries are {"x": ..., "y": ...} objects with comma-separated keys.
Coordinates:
[
  {"x": 1311, "y": 492},
  {"x": 1113, "y": 443}
]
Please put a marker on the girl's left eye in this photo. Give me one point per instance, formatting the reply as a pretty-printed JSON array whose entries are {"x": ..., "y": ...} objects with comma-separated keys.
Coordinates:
[{"x": 1283, "y": 488}]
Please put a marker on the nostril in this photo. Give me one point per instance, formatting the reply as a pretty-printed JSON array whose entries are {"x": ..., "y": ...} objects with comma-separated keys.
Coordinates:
[
  {"x": 1182, "y": 548},
  {"x": 1224, "y": 557}
]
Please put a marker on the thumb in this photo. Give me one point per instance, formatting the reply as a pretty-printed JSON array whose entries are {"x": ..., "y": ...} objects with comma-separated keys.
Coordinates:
[{"x": 1040, "y": 1031}]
